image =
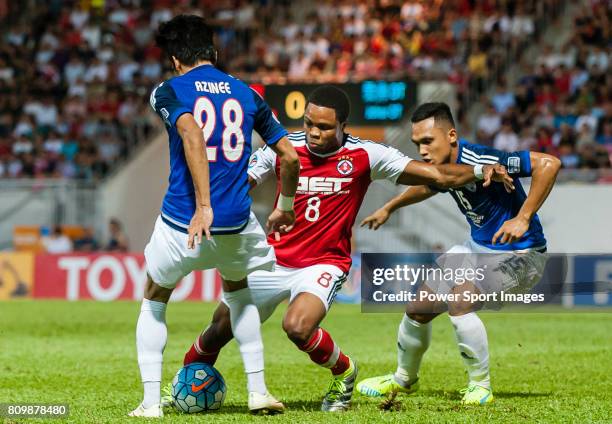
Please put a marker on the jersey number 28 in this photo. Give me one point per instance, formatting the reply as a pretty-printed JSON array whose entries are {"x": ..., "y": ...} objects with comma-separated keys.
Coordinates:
[{"x": 232, "y": 116}]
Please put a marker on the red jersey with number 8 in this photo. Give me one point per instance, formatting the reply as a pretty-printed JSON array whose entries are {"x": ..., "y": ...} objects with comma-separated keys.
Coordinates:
[{"x": 329, "y": 194}]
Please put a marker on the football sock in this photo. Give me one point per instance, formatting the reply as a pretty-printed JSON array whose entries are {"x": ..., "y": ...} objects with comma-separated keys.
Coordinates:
[
  {"x": 246, "y": 325},
  {"x": 198, "y": 353},
  {"x": 151, "y": 337},
  {"x": 473, "y": 347},
  {"x": 256, "y": 382},
  {"x": 413, "y": 339},
  {"x": 325, "y": 352}
]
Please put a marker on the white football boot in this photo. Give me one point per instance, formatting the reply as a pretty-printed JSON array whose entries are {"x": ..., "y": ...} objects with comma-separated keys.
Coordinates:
[
  {"x": 264, "y": 404},
  {"x": 154, "y": 411}
]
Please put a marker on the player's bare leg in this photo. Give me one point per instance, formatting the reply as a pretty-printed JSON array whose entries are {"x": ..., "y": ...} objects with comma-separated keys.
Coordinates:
[
  {"x": 301, "y": 323},
  {"x": 245, "y": 323},
  {"x": 473, "y": 346},
  {"x": 151, "y": 337},
  {"x": 209, "y": 343},
  {"x": 413, "y": 339}
]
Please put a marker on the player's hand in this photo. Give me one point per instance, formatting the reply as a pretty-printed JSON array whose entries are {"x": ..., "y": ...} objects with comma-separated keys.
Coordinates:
[
  {"x": 497, "y": 173},
  {"x": 376, "y": 220},
  {"x": 511, "y": 231},
  {"x": 280, "y": 221},
  {"x": 199, "y": 225}
]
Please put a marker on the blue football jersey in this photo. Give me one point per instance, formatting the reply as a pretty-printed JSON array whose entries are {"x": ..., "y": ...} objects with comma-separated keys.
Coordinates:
[
  {"x": 228, "y": 111},
  {"x": 487, "y": 208}
]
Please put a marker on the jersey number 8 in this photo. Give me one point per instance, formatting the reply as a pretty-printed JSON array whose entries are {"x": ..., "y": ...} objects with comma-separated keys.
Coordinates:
[
  {"x": 312, "y": 210},
  {"x": 232, "y": 116}
]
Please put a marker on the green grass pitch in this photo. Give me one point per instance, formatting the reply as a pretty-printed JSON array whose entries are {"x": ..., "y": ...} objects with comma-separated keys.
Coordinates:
[{"x": 553, "y": 367}]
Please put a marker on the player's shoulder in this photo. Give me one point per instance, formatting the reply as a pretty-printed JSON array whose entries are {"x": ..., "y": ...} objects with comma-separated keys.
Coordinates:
[
  {"x": 297, "y": 138},
  {"x": 162, "y": 91},
  {"x": 368, "y": 146},
  {"x": 473, "y": 154}
]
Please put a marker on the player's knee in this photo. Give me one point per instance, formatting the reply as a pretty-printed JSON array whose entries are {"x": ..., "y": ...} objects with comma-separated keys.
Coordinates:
[
  {"x": 155, "y": 292},
  {"x": 298, "y": 330},
  {"x": 421, "y": 317},
  {"x": 422, "y": 312},
  {"x": 461, "y": 308}
]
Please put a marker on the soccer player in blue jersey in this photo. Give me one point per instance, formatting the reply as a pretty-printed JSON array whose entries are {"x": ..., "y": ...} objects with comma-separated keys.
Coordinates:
[
  {"x": 210, "y": 117},
  {"x": 504, "y": 228}
]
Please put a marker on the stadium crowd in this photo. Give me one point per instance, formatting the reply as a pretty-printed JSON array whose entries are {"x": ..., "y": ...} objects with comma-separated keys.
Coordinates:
[
  {"x": 75, "y": 76},
  {"x": 562, "y": 103}
]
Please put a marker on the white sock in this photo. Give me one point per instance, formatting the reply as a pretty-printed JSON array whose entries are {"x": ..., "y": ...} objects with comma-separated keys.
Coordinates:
[
  {"x": 473, "y": 346},
  {"x": 151, "y": 337},
  {"x": 246, "y": 328},
  {"x": 413, "y": 339},
  {"x": 256, "y": 382}
]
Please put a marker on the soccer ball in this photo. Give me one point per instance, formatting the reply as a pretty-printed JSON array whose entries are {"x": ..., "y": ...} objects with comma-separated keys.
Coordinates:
[{"x": 198, "y": 387}]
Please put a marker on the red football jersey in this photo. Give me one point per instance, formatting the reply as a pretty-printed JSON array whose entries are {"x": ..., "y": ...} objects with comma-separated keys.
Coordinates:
[{"x": 329, "y": 195}]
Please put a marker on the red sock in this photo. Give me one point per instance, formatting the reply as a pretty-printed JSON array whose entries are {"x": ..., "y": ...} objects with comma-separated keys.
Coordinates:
[
  {"x": 323, "y": 351},
  {"x": 197, "y": 353}
]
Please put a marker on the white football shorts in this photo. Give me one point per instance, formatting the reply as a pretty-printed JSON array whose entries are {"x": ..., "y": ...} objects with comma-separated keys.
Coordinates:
[
  {"x": 515, "y": 271},
  {"x": 234, "y": 255},
  {"x": 269, "y": 289}
]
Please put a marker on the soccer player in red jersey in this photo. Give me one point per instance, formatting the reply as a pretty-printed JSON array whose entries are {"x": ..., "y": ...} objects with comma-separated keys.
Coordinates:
[{"x": 314, "y": 255}]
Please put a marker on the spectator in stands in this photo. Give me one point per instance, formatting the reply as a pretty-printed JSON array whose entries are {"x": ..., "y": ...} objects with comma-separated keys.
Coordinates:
[
  {"x": 87, "y": 242},
  {"x": 569, "y": 158},
  {"x": 585, "y": 118},
  {"x": 489, "y": 123},
  {"x": 478, "y": 67},
  {"x": 564, "y": 115},
  {"x": 118, "y": 241},
  {"x": 503, "y": 99},
  {"x": 57, "y": 242},
  {"x": 606, "y": 135},
  {"x": 506, "y": 139},
  {"x": 527, "y": 139}
]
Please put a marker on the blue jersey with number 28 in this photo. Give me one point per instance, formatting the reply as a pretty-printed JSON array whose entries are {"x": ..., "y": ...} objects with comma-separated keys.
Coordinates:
[{"x": 228, "y": 111}]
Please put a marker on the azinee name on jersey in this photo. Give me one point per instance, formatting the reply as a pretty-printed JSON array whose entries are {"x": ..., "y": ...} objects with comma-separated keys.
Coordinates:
[{"x": 219, "y": 87}]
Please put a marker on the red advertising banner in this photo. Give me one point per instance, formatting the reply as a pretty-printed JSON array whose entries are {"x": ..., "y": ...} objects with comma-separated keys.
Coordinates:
[{"x": 109, "y": 277}]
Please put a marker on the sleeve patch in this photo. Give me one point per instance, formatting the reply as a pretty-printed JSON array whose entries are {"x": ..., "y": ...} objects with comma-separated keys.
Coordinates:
[{"x": 514, "y": 165}]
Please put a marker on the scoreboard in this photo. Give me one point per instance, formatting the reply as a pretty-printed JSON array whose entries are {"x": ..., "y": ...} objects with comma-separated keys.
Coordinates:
[{"x": 373, "y": 102}]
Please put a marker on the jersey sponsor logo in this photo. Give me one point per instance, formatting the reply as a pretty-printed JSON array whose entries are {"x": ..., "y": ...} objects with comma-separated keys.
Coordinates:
[
  {"x": 345, "y": 166},
  {"x": 475, "y": 218},
  {"x": 514, "y": 165},
  {"x": 321, "y": 184}
]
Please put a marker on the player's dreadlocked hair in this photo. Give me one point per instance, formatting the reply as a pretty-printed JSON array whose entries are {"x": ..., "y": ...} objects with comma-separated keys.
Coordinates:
[
  {"x": 440, "y": 112},
  {"x": 333, "y": 98},
  {"x": 188, "y": 38}
]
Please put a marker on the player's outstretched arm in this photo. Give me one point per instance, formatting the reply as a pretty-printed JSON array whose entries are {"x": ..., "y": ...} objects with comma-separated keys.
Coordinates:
[
  {"x": 282, "y": 217},
  {"x": 197, "y": 161},
  {"x": 544, "y": 170},
  {"x": 411, "y": 196},
  {"x": 453, "y": 175}
]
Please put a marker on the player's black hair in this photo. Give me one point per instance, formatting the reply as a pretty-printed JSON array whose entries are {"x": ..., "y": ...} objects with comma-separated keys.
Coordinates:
[
  {"x": 188, "y": 38},
  {"x": 438, "y": 110},
  {"x": 333, "y": 98}
]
